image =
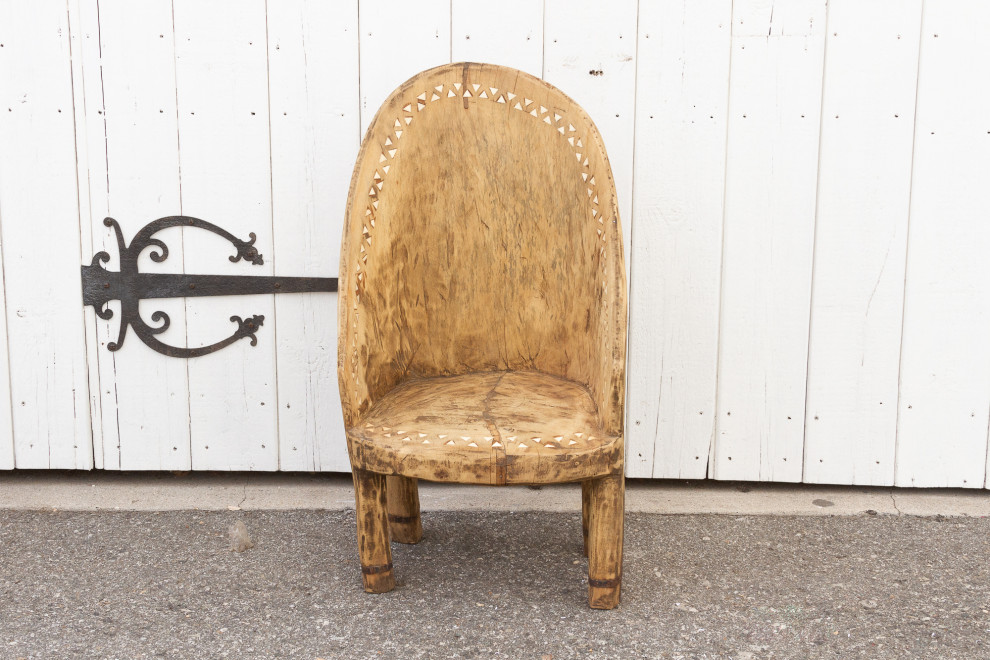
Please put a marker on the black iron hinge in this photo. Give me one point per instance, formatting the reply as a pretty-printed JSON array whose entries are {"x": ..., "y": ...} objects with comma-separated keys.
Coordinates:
[{"x": 130, "y": 286}]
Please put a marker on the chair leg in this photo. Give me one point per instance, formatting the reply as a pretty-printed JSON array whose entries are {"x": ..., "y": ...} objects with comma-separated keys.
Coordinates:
[
  {"x": 606, "y": 515},
  {"x": 372, "y": 532},
  {"x": 403, "y": 510},
  {"x": 585, "y": 509}
]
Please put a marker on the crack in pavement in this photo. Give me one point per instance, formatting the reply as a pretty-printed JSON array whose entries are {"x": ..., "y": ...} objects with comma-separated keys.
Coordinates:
[
  {"x": 893, "y": 500},
  {"x": 245, "y": 495}
]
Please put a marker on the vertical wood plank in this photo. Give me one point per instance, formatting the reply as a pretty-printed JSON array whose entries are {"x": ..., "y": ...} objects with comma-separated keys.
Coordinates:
[
  {"x": 945, "y": 357},
  {"x": 682, "y": 91},
  {"x": 315, "y": 132},
  {"x": 224, "y": 156},
  {"x": 397, "y": 40},
  {"x": 41, "y": 241},
  {"x": 6, "y": 428},
  {"x": 590, "y": 55},
  {"x": 864, "y": 184},
  {"x": 774, "y": 108},
  {"x": 85, "y": 51},
  {"x": 507, "y": 33},
  {"x": 133, "y": 160}
]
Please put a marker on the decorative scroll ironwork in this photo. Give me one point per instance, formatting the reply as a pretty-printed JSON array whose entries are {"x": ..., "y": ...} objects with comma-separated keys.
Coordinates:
[{"x": 130, "y": 286}]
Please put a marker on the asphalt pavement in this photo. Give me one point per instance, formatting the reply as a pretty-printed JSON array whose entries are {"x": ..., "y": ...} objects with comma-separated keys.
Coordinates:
[{"x": 492, "y": 584}]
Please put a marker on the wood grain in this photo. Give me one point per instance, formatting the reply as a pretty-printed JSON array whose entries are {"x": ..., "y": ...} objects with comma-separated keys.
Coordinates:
[
  {"x": 944, "y": 398},
  {"x": 225, "y": 160},
  {"x": 605, "y": 530},
  {"x": 49, "y": 398},
  {"x": 498, "y": 296},
  {"x": 491, "y": 428},
  {"x": 85, "y": 46},
  {"x": 134, "y": 176},
  {"x": 864, "y": 186},
  {"x": 403, "y": 510},
  {"x": 767, "y": 246},
  {"x": 482, "y": 310},
  {"x": 585, "y": 513},
  {"x": 315, "y": 131},
  {"x": 676, "y": 251},
  {"x": 373, "y": 532}
]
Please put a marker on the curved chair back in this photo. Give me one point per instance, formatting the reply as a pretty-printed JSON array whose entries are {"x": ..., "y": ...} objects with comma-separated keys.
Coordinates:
[{"x": 482, "y": 234}]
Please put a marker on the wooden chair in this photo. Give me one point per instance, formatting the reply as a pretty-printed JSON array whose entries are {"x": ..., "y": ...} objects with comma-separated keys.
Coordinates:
[{"x": 482, "y": 308}]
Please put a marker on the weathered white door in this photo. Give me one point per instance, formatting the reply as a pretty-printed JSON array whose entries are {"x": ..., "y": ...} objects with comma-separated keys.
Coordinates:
[
  {"x": 802, "y": 191},
  {"x": 247, "y": 120},
  {"x": 44, "y": 416}
]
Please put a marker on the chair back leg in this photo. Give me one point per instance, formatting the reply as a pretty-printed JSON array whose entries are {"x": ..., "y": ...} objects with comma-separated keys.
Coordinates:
[
  {"x": 585, "y": 510},
  {"x": 403, "y": 509}
]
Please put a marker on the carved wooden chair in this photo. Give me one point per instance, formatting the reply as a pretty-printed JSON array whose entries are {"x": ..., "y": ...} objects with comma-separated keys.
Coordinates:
[{"x": 482, "y": 308}]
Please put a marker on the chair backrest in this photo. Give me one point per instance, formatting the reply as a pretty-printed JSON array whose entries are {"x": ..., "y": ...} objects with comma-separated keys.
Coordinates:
[{"x": 482, "y": 234}]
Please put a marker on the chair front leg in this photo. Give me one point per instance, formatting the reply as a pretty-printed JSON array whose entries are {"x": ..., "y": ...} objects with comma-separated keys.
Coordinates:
[
  {"x": 372, "y": 532},
  {"x": 606, "y": 517},
  {"x": 403, "y": 510}
]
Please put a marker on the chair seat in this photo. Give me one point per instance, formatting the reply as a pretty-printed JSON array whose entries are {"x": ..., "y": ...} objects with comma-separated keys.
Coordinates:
[{"x": 496, "y": 427}]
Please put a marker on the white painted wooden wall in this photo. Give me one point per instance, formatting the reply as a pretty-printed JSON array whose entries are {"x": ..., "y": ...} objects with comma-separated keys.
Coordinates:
[{"x": 803, "y": 186}]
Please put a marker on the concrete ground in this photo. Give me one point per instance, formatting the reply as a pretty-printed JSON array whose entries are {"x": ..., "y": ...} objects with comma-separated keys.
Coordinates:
[{"x": 113, "y": 566}]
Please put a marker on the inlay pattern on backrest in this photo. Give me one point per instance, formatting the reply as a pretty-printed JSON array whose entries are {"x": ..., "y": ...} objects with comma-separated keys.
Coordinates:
[
  {"x": 449, "y": 92},
  {"x": 482, "y": 235}
]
